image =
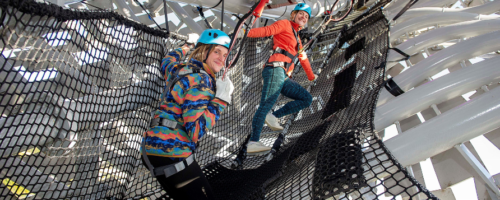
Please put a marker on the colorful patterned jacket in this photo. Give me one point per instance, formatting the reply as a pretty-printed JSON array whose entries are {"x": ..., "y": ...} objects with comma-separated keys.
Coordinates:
[{"x": 191, "y": 103}]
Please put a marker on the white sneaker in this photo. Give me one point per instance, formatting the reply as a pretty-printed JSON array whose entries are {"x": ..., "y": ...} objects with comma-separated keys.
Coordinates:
[
  {"x": 255, "y": 147},
  {"x": 272, "y": 122}
]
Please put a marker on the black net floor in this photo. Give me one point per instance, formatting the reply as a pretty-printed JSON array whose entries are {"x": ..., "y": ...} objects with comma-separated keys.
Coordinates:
[{"x": 78, "y": 86}]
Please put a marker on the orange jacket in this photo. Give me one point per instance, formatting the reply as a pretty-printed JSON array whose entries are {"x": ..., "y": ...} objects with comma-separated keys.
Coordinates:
[{"x": 284, "y": 39}]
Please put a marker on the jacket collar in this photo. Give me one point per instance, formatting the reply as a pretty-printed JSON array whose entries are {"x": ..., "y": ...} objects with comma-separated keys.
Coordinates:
[
  {"x": 295, "y": 25},
  {"x": 203, "y": 66}
]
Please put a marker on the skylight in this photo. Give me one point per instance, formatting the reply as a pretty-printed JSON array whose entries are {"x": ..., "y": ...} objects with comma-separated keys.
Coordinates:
[{"x": 465, "y": 190}]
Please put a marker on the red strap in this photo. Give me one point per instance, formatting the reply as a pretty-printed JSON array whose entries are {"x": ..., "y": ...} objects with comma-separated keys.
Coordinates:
[{"x": 258, "y": 10}]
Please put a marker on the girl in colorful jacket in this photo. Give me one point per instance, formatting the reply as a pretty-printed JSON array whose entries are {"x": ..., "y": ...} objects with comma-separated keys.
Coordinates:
[
  {"x": 277, "y": 73},
  {"x": 191, "y": 104}
]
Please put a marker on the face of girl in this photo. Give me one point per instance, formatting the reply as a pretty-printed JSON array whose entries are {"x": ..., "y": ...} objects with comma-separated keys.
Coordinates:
[
  {"x": 216, "y": 59},
  {"x": 301, "y": 18}
]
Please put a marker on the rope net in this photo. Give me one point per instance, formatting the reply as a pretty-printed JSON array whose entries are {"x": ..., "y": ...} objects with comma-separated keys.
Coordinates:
[{"x": 78, "y": 88}]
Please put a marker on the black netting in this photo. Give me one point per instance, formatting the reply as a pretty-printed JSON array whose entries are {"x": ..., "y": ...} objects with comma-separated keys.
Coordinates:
[{"x": 78, "y": 88}]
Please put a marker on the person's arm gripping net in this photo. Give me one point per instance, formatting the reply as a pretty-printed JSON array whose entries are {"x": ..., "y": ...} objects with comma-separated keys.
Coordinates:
[
  {"x": 200, "y": 108},
  {"x": 273, "y": 29},
  {"x": 170, "y": 60},
  {"x": 304, "y": 61}
]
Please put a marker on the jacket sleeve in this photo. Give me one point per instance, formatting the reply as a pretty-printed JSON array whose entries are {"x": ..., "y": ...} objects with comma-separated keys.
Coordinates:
[
  {"x": 273, "y": 29},
  {"x": 200, "y": 108},
  {"x": 304, "y": 61},
  {"x": 170, "y": 60}
]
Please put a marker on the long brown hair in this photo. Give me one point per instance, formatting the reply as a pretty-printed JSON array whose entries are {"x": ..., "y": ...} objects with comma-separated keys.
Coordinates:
[{"x": 200, "y": 53}]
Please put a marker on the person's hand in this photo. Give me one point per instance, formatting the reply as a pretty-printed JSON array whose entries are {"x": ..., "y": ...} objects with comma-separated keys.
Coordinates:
[
  {"x": 192, "y": 38},
  {"x": 315, "y": 77},
  {"x": 224, "y": 89},
  {"x": 185, "y": 48}
]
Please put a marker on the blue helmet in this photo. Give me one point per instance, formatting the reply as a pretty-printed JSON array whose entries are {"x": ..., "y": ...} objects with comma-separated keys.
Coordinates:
[
  {"x": 303, "y": 7},
  {"x": 214, "y": 36}
]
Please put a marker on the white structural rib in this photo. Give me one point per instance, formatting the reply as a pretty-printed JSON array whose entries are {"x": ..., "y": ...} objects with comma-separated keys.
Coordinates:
[
  {"x": 431, "y": 20},
  {"x": 434, "y": 37},
  {"x": 473, "y": 118},
  {"x": 437, "y": 91},
  {"x": 485, "y": 9},
  {"x": 443, "y": 59},
  {"x": 398, "y": 5}
]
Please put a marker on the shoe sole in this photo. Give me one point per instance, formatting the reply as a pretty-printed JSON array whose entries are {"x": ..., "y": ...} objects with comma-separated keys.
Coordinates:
[
  {"x": 258, "y": 153},
  {"x": 273, "y": 128}
]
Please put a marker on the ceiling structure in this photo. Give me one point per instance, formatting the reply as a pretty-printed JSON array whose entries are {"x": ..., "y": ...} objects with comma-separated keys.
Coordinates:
[{"x": 183, "y": 15}]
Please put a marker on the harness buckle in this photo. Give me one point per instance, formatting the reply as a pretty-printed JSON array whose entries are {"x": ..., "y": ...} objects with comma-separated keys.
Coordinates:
[
  {"x": 277, "y": 50},
  {"x": 180, "y": 166},
  {"x": 168, "y": 123},
  {"x": 165, "y": 122},
  {"x": 172, "y": 169},
  {"x": 276, "y": 64}
]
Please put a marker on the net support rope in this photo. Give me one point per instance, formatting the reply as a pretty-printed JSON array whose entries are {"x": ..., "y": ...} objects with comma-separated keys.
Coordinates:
[{"x": 77, "y": 89}]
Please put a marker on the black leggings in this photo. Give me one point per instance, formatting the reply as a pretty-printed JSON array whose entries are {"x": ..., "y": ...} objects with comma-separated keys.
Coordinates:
[{"x": 189, "y": 183}]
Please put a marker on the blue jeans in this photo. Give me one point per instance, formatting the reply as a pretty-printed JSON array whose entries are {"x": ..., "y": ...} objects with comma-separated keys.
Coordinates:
[{"x": 276, "y": 82}]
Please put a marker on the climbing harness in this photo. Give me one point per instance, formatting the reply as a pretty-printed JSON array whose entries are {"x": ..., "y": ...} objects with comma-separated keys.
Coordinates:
[
  {"x": 292, "y": 57},
  {"x": 167, "y": 170}
]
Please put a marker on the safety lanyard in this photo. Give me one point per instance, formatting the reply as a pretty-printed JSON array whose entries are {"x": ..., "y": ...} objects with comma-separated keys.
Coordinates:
[{"x": 296, "y": 38}]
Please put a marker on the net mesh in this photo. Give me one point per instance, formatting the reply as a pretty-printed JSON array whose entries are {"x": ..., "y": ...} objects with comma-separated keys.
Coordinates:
[{"x": 78, "y": 88}]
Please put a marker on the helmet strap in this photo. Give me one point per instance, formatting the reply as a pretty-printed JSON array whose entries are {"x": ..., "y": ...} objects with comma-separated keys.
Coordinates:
[{"x": 208, "y": 53}]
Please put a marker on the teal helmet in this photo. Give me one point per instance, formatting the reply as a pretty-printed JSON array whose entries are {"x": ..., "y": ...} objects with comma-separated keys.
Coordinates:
[
  {"x": 303, "y": 7},
  {"x": 214, "y": 36}
]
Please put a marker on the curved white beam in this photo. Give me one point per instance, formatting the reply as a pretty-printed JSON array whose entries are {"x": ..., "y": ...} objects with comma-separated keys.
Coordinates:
[
  {"x": 430, "y": 20},
  {"x": 421, "y": 3},
  {"x": 485, "y": 9},
  {"x": 397, "y": 5},
  {"x": 461, "y": 124},
  {"x": 441, "y": 3},
  {"x": 440, "y": 35},
  {"x": 437, "y": 91},
  {"x": 443, "y": 59}
]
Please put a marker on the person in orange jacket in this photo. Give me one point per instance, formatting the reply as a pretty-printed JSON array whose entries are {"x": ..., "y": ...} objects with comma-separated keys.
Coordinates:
[{"x": 277, "y": 73}]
